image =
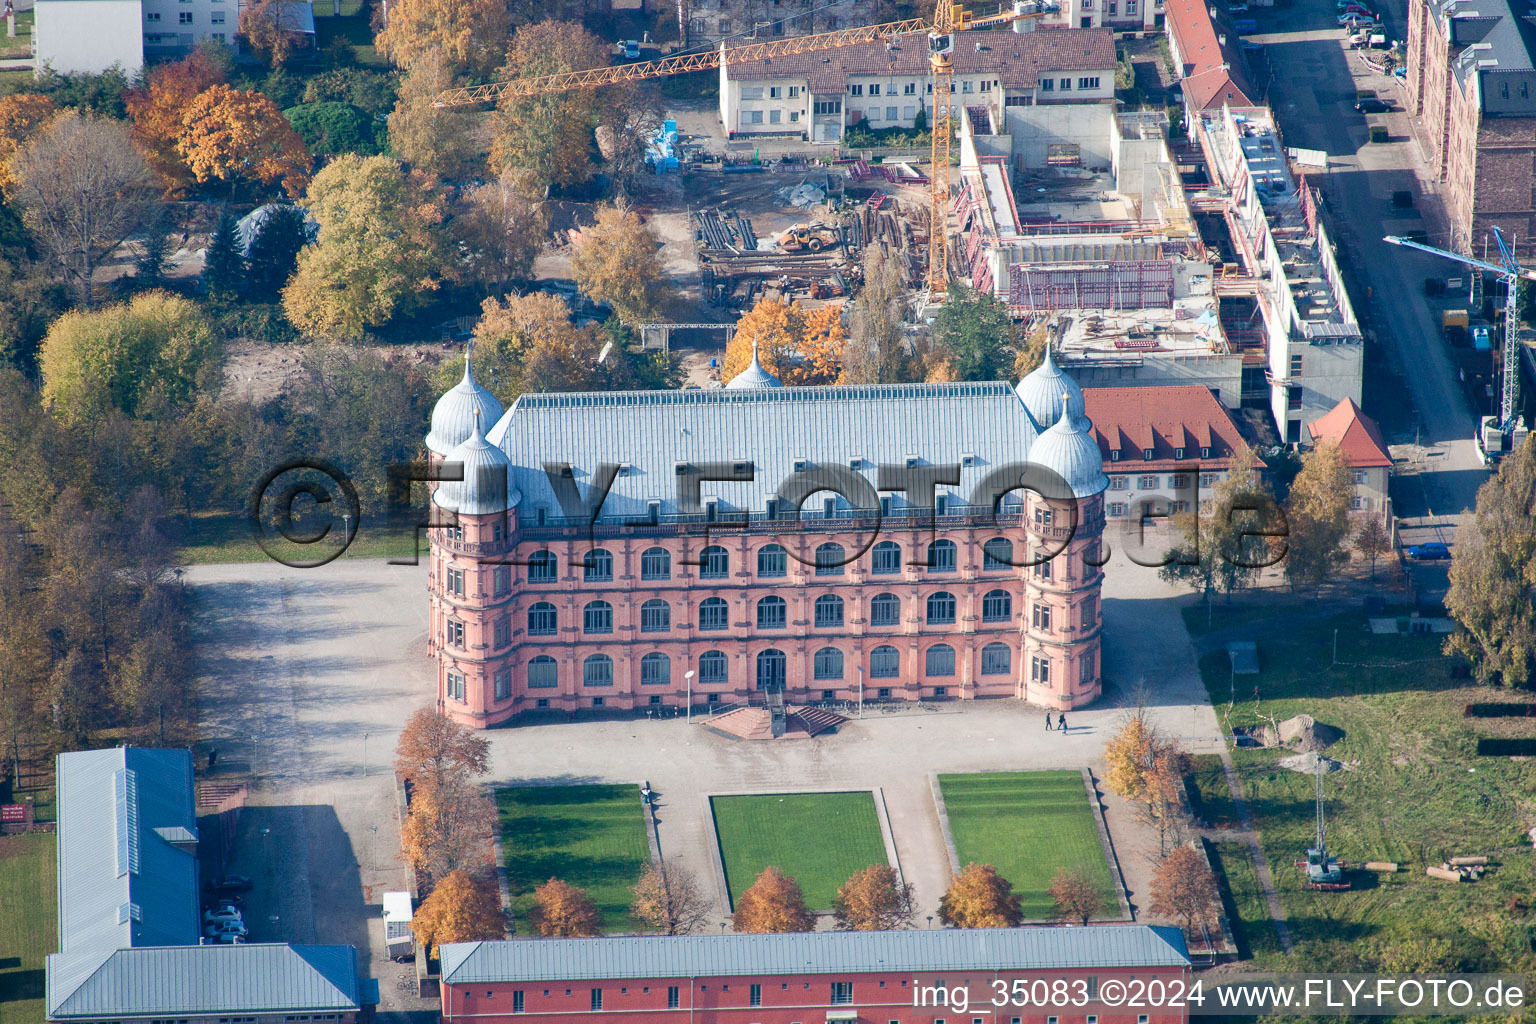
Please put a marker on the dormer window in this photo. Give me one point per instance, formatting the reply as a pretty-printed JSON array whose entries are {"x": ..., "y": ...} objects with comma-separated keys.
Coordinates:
[
  {"x": 1146, "y": 453},
  {"x": 911, "y": 461},
  {"x": 1114, "y": 455},
  {"x": 801, "y": 465},
  {"x": 1178, "y": 453},
  {"x": 1205, "y": 453}
]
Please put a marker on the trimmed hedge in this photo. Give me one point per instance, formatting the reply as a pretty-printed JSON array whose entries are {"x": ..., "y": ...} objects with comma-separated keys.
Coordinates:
[
  {"x": 1501, "y": 710},
  {"x": 1492, "y": 747}
]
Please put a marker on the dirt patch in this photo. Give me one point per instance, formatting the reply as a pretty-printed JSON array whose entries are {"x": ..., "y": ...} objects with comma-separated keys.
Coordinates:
[
  {"x": 1302, "y": 732},
  {"x": 257, "y": 372},
  {"x": 1310, "y": 764}
]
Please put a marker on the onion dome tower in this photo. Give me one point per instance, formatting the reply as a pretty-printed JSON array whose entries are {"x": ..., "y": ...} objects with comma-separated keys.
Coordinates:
[{"x": 754, "y": 376}]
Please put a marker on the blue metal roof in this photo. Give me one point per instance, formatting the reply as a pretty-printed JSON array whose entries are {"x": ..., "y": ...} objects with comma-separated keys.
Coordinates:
[
  {"x": 214, "y": 979},
  {"x": 772, "y": 428},
  {"x": 925, "y": 951},
  {"x": 122, "y": 882}
]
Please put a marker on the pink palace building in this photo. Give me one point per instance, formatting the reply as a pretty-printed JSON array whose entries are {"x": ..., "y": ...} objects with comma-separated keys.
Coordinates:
[{"x": 628, "y": 550}]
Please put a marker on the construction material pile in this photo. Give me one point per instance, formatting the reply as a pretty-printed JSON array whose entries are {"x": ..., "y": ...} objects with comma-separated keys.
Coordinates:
[
  {"x": 1310, "y": 763},
  {"x": 1299, "y": 733}
]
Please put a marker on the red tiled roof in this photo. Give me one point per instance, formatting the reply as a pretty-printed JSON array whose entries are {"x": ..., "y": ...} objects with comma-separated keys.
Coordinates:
[
  {"x": 1016, "y": 58},
  {"x": 1356, "y": 434},
  {"x": 1163, "y": 418},
  {"x": 1204, "y": 45}
]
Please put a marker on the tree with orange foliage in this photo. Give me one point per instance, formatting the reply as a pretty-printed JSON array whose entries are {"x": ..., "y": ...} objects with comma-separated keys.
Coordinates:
[
  {"x": 470, "y": 34},
  {"x": 434, "y": 751},
  {"x": 795, "y": 344},
  {"x": 271, "y": 28},
  {"x": 874, "y": 899},
  {"x": 448, "y": 829},
  {"x": 20, "y": 115},
  {"x": 980, "y": 898},
  {"x": 1183, "y": 889},
  {"x": 235, "y": 135},
  {"x": 773, "y": 903},
  {"x": 156, "y": 109},
  {"x": 564, "y": 911},
  {"x": 1074, "y": 895},
  {"x": 462, "y": 908}
]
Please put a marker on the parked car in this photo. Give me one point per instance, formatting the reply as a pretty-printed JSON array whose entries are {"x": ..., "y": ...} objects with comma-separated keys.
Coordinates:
[
  {"x": 1355, "y": 22},
  {"x": 1434, "y": 551},
  {"x": 230, "y": 883},
  {"x": 1237, "y": 8},
  {"x": 1251, "y": 46},
  {"x": 1374, "y": 106},
  {"x": 222, "y": 914},
  {"x": 1358, "y": 9},
  {"x": 229, "y": 939},
  {"x": 630, "y": 48},
  {"x": 214, "y": 902},
  {"x": 215, "y": 931},
  {"x": 1245, "y": 25}
]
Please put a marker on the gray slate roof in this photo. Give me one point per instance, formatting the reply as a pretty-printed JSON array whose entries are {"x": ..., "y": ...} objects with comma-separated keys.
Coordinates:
[
  {"x": 772, "y": 428},
  {"x": 715, "y": 956},
  {"x": 1501, "y": 42},
  {"x": 121, "y": 882},
  {"x": 192, "y": 980},
  {"x": 1016, "y": 58}
]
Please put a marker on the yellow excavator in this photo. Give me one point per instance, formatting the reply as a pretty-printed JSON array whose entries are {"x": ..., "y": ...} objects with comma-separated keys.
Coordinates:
[{"x": 809, "y": 238}]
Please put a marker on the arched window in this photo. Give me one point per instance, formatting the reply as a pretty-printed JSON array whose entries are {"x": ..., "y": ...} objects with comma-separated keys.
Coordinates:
[
  {"x": 884, "y": 662},
  {"x": 941, "y": 556},
  {"x": 714, "y": 613},
  {"x": 772, "y": 560},
  {"x": 598, "y": 566},
  {"x": 996, "y": 660},
  {"x": 542, "y": 567},
  {"x": 714, "y": 563},
  {"x": 996, "y": 606},
  {"x": 597, "y": 670},
  {"x": 714, "y": 667},
  {"x": 829, "y": 611},
  {"x": 597, "y": 617},
  {"x": 655, "y": 670},
  {"x": 772, "y": 613},
  {"x": 770, "y": 670},
  {"x": 655, "y": 564},
  {"x": 830, "y": 559},
  {"x": 543, "y": 673},
  {"x": 941, "y": 608},
  {"x": 655, "y": 617},
  {"x": 997, "y": 554},
  {"x": 542, "y": 620},
  {"x": 885, "y": 610},
  {"x": 940, "y": 661},
  {"x": 885, "y": 558},
  {"x": 828, "y": 663}
]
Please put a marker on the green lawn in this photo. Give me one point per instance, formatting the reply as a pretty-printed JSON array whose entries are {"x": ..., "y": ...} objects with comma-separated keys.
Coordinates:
[
  {"x": 216, "y": 537},
  {"x": 1028, "y": 825},
  {"x": 1244, "y": 900},
  {"x": 351, "y": 26},
  {"x": 1415, "y": 792},
  {"x": 28, "y": 924},
  {"x": 19, "y": 45},
  {"x": 1207, "y": 785},
  {"x": 820, "y": 839},
  {"x": 592, "y": 837}
]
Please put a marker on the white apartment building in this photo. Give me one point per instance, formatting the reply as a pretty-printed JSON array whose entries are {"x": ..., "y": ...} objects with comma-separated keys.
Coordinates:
[
  {"x": 817, "y": 95},
  {"x": 1117, "y": 15},
  {"x": 90, "y": 36}
]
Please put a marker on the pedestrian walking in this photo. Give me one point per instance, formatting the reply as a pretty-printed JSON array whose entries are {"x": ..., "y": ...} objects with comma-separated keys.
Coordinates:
[
  {"x": 1047, "y": 721},
  {"x": 213, "y": 757},
  {"x": 1061, "y": 721}
]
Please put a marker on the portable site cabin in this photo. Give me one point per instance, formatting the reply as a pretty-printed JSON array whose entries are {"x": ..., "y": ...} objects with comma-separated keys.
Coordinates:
[{"x": 397, "y": 923}]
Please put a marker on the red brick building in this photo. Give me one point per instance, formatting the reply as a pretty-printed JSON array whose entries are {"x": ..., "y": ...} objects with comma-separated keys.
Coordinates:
[
  {"x": 1472, "y": 86},
  {"x": 816, "y": 977}
]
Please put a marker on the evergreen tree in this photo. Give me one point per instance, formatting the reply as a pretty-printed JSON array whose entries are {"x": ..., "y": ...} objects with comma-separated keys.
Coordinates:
[
  {"x": 223, "y": 266},
  {"x": 975, "y": 333},
  {"x": 154, "y": 250},
  {"x": 275, "y": 249}
]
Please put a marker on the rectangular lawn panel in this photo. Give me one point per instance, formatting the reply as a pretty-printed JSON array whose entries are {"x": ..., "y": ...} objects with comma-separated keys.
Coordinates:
[
  {"x": 28, "y": 924},
  {"x": 1028, "y": 825},
  {"x": 592, "y": 837},
  {"x": 819, "y": 839}
]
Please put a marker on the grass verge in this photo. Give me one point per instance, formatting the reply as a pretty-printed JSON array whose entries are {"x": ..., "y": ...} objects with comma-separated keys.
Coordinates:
[
  {"x": 1413, "y": 790},
  {"x": 1244, "y": 900},
  {"x": 1028, "y": 825},
  {"x": 592, "y": 837},
  {"x": 219, "y": 537},
  {"x": 820, "y": 839},
  {"x": 1207, "y": 785},
  {"x": 28, "y": 925}
]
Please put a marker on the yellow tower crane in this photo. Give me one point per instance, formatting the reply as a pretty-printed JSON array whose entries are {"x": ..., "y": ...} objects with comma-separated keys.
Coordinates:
[{"x": 948, "y": 19}]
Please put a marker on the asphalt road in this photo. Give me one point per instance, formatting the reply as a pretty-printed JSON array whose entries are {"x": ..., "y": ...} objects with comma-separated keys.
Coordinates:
[{"x": 1315, "y": 77}]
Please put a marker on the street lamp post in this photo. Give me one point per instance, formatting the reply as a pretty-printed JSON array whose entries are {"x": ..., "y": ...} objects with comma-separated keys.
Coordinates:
[
  {"x": 346, "y": 521},
  {"x": 365, "y": 755},
  {"x": 861, "y": 691},
  {"x": 688, "y": 676}
]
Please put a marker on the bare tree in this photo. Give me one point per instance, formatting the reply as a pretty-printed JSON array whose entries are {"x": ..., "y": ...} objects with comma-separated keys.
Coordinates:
[
  {"x": 669, "y": 899},
  {"x": 83, "y": 189},
  {"x": 876, "y": 352}
]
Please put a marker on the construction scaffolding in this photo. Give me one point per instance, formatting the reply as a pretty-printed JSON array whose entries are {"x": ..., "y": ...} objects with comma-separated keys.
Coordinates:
[{"x": 1143, "y": 284}]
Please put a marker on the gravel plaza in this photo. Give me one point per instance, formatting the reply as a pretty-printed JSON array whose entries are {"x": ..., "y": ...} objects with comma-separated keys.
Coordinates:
[{"x": 307, "y": 675}]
